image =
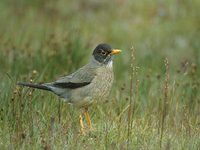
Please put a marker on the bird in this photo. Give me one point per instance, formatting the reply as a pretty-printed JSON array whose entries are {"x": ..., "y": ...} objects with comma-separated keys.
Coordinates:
[{"x": 90, "y": 84}]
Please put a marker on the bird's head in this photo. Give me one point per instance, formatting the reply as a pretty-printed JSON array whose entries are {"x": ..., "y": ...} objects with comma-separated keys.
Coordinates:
[{"x": 103, "y": 53}]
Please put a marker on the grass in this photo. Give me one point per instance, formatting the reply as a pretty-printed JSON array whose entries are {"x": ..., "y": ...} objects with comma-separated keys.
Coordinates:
[{"x": 155, "y": 99}]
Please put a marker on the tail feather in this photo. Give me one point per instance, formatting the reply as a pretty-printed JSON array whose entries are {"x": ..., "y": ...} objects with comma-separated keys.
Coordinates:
[{"x": 33, "y": 85}]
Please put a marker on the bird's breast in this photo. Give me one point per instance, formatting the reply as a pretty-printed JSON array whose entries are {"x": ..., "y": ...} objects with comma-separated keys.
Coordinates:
[
  {"x": 103, "y": 83},
  {"x": 98, "y": 90}
]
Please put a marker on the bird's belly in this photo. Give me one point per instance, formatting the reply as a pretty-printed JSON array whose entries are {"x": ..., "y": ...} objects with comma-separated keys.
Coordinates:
[
  {"x": 96, "y": 91},
  {"x": 102, "y": 88}
]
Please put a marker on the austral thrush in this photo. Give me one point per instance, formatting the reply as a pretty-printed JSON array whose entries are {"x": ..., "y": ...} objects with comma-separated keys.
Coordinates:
[{"x": 89, "y": 84}]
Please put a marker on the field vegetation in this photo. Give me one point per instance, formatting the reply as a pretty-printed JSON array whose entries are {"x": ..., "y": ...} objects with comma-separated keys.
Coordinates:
[{"x": 155, "y": 100}]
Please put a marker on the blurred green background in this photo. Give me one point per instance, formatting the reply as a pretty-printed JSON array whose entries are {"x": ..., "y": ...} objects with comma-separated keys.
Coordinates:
[{"x": 43, "y": 39}]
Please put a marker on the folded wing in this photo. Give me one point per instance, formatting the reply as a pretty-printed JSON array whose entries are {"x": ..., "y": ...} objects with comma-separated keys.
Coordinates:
[{"x": 80, "y": 78}]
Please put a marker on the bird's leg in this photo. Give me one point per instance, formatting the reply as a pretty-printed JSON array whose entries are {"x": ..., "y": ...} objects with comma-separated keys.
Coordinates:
[
  {"x": 88, "y": 118},
  {"x": 81, "y": 124}
]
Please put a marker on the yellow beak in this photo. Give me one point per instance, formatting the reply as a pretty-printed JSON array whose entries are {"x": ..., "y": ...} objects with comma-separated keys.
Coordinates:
[{"x": 115, "y": 51}]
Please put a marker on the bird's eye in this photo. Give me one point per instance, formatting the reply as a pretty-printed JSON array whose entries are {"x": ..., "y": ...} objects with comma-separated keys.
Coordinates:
[{"x": 103, "y": 53}]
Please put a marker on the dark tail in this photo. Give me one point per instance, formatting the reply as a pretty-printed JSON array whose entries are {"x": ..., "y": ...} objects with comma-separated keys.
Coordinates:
[{"x": 33, "y": 85}]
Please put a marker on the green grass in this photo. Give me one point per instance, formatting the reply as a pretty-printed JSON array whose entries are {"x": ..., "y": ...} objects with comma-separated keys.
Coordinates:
[{"x": 150, "y": 107}]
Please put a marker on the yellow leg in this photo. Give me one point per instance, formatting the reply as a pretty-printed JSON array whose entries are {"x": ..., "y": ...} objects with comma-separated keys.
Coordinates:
[
  {"x": 88, "y": 118},
  {"x": 81, "y": 124}
]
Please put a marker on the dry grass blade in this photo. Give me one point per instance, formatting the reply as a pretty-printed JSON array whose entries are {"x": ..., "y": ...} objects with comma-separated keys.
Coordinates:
[
  {"x": 131, "y": 96},
  {"x": 165, "y": 101}
]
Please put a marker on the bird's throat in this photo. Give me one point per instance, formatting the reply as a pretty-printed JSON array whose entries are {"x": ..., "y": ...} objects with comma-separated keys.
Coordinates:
[{"x": 110, "y": 64}]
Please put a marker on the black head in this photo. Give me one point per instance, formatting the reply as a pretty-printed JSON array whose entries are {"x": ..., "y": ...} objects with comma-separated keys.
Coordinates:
[{"x": 102, "y": 53}]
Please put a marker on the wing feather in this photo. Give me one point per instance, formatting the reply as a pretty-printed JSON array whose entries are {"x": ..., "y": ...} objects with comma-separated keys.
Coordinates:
[
  {"x": 82, "y": 77},
  {"x": 70, "y": 85}
]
